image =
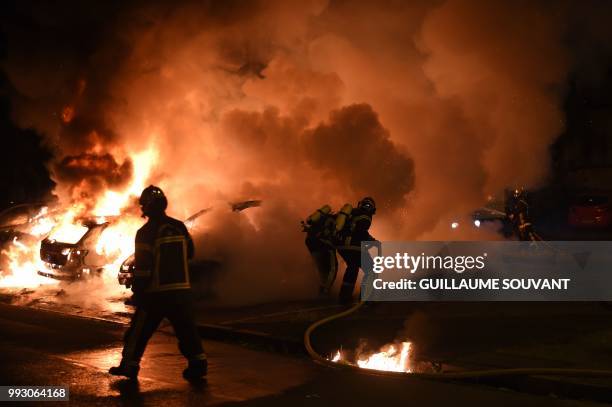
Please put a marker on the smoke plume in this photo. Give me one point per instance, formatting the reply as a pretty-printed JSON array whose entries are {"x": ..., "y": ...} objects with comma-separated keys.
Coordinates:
[{"x": 428, "y": 108}]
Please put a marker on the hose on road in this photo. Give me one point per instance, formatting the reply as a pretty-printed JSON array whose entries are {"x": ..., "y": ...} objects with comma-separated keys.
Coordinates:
[{"x": 470, "y": 374}]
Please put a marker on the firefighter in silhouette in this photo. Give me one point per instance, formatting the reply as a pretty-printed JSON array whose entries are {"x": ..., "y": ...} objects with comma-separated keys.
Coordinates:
[
  {"x": 161, "y": 288},
  {"x": 517, "y": 211},
  {"x": 320, "y": 233},
  {"x": 352, "y": 228}
]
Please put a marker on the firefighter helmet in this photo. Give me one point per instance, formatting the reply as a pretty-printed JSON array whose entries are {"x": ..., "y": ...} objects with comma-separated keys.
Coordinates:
[
  {"x": 153, "y": 201},
  {"x": 518, "y": 192},
  {"x": 368, "y": 205}
]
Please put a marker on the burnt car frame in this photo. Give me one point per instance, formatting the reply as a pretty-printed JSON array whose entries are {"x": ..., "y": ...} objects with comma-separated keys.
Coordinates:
[{"x": 74, "y": 261}]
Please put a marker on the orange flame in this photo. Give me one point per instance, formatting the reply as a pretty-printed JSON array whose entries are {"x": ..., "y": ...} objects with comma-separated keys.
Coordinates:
[
  {"x": 393, "y": 357},
  {"x": 115, "y": 243}
]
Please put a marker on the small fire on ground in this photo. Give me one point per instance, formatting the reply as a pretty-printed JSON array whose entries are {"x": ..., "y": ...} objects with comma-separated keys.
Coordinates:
[{"x": 394, "y": 357}]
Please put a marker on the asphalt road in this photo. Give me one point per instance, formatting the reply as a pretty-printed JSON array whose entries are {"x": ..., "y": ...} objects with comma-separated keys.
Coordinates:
[{"x": 48, "y": 348}]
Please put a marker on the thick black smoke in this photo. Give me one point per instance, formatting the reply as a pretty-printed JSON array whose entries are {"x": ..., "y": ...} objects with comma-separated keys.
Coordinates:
[{"x": 356, "y": 149}]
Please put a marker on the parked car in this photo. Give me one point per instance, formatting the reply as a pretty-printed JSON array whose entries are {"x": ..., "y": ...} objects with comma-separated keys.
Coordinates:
[
  {"x": 16, "y": 221},
  {"x": 590, "y": 210},
  {"x": 74, "y": 259},
  {"x": 125, "y": 276}
]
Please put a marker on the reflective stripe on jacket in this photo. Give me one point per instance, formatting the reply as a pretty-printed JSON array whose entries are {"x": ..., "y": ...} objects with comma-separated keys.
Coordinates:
[{"x": 163, "y": 247}]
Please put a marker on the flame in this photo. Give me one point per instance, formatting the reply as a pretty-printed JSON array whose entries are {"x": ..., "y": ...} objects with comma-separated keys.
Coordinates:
[
  {"x": 116, "y": 242},
  {"x": 24, "y": 263},
  {"x": 65, "y": 224},
  {"x": 393, "y": 357},
  {"x": 41, "y": 223},
  {"x": 337, "y": 357},
  {"x": 68, "y": 230},
  {"x": 112, "y": 202}
]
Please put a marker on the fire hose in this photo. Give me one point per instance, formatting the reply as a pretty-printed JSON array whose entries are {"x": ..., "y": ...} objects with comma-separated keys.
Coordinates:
[
  {"x": 442, "y": 375},
  {"x": 469, "y": 374}
]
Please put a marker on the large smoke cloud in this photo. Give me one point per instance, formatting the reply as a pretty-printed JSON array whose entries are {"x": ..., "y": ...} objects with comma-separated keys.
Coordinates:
[
  {"x": 428, "y": 108},
  {"x": 355, "y": 149}
]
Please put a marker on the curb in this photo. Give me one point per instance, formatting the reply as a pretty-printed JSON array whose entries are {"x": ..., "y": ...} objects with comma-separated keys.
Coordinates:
[{"x": 284, "y": 345}]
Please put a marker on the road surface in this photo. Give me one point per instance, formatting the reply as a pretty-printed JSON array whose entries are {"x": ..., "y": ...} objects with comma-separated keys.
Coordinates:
[{"x": 48, "y": 348}]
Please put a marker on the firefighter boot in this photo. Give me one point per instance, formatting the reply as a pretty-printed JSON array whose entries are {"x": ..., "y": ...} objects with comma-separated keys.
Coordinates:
[
  {"x": 128, "y": 370},
  {"x": 196, "y": 369}
]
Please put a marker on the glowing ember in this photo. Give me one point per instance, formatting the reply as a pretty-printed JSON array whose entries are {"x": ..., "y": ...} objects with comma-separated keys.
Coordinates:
[{"x": 392, "y": 358}]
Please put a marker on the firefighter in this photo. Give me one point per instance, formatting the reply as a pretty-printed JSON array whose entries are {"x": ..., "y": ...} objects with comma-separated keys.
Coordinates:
[
  {"x": 352, "y": 227},
  {"x": 161, "y": 288},
  {"x": 319, "y": 228},
  {"x": 517, "y": 211}
]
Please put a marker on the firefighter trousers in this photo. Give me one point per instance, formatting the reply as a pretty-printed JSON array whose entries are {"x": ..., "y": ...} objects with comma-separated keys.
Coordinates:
[
  {"x": 324, "y": 256},
  {"x": 177, "y": 307},
  {"x": 352, "y": 258}
]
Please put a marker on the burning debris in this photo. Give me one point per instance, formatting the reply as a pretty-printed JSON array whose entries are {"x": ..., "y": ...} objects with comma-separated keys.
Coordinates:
[{"x": 393, "y": 357}]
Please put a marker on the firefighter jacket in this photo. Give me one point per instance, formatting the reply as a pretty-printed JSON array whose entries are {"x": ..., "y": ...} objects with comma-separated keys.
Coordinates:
[
  {"x": 163, "y": 247},
  {"x": 518, "y": 211}
]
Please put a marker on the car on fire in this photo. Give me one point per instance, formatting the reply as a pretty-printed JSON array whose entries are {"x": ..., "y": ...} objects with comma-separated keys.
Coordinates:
[
  {"x": 126, "y": 272},
  {"x": 125, "y": 275},
  {"x": 16, "y": 221},
  {"x": 74, "y": 257}
]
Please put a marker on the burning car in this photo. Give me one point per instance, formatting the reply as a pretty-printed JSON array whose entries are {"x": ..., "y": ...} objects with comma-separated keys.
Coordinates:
[
  {"x": 72, "y": 255},
  {"x": 126, "y": 272},
  {"x": 125, "y": 276},
  {"x": 17, "y": 221}
]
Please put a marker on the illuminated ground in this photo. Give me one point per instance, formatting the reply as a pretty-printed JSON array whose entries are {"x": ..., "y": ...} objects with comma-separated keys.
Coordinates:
[{"x": 48, "y": 348}]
